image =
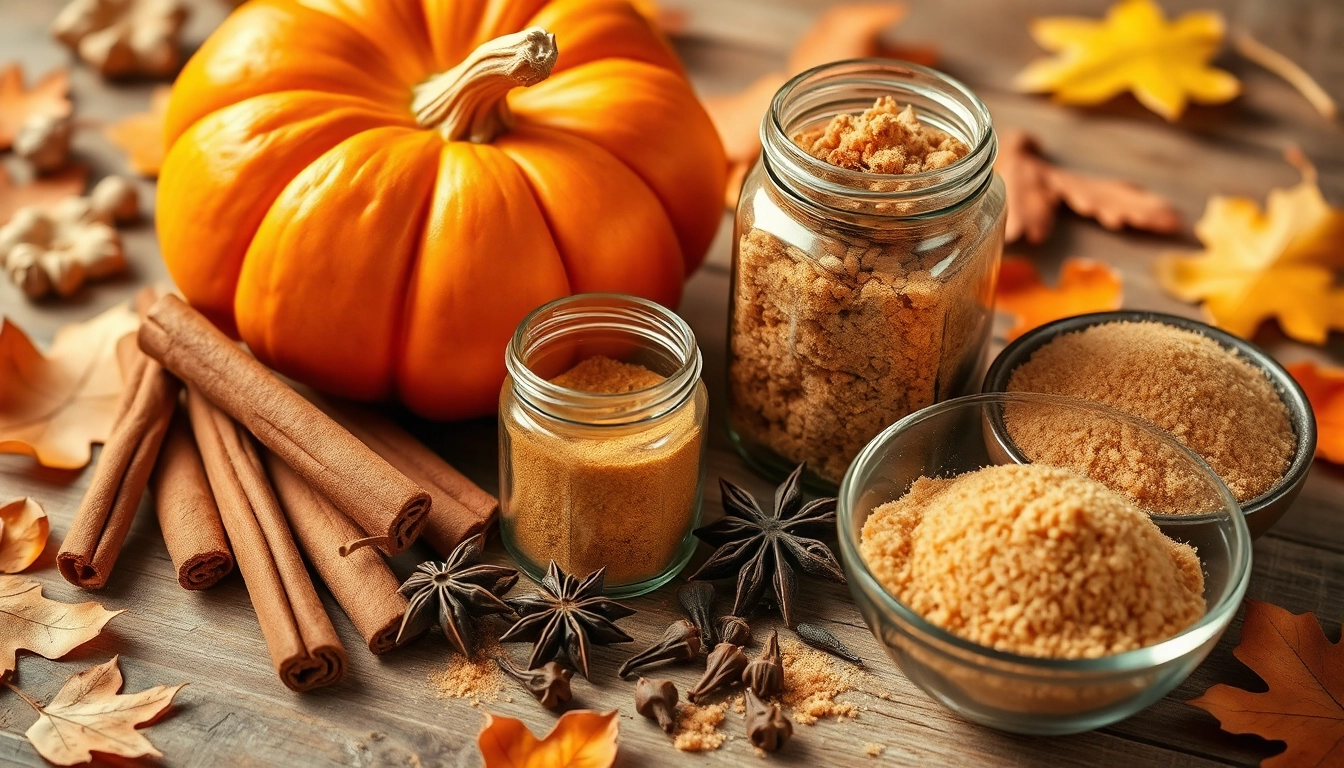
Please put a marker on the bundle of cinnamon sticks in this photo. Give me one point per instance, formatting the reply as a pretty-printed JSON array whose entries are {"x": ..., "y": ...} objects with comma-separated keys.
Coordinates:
[{"x": 253, "y": 472}]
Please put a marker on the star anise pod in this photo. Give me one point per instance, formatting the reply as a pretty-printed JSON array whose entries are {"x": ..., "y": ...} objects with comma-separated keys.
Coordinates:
[
  {"x": 458, "y": 590},
  {"x": 568, "y": 615},
  {"x": 761, "y": 547}
]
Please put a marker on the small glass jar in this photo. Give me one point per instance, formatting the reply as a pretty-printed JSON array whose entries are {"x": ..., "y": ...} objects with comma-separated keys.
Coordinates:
[
  {"x": 602, "y": 480},
  {"x": 858, "y": 298}
]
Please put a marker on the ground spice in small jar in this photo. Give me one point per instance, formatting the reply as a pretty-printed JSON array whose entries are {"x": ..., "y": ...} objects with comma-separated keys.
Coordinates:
[
  {"x": 602, "y": 423},
  {"x": 1213, "y": 400},
  {"x": 1034, "y": 560},
  {"x": 867, "y": 243}
]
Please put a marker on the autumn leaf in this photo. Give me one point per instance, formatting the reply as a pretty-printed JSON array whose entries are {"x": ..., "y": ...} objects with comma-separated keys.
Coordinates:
[
  {"x": 48, "y": 96},
  {"x": 54, "y": 406},
  {"x": 141, "y": 136},
  {"x": 1165, "y": 64},
  {"x": 23, "y": 534},
  {"x": 580, "y": 739},
  {"x": 1257, "y": 265},
  {"x": 1325, "y": 390},
  {"x": 1084, "y": 286},
  {"x": 1036, "y": 188},
  {"x": 851, "y": 31},
  {"x": 31, "y": 622},
  {"x": 88, "y": 715},
  {"x": 43, "y": 191},
  {"x": 1305, "y": 674}
]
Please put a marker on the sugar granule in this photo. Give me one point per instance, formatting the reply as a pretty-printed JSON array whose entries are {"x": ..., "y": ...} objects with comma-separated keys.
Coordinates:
[
  {"x": 698, "y": 727},
  {"x": 812, "y": 680}
]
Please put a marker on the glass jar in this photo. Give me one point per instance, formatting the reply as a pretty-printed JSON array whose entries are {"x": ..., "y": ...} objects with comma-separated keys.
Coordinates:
[
  {"x": 858, "y": 298},
  {"x": 593, "y": 480}
]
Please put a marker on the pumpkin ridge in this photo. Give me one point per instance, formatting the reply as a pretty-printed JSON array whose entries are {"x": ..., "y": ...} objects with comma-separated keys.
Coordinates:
[
  {"x": 572, "y": 21},
  {"x": 423, "y": 59}
]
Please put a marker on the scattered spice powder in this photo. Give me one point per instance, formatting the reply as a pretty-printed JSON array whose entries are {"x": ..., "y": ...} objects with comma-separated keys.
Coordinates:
[
  {"x": 873, "y": 749},
  {"x": 623, "y": 497},
  {"x": 812, "y": 681},
  {"x": 1034, "y": 560},
  {"x": 698, "y": 727},
  {"x": 476, "y": 679},
  {"x": 1212, "y": 399},
  {"x": 883, "y": 139}
]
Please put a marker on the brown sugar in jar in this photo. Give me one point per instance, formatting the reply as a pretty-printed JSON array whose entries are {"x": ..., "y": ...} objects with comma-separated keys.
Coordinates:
[{"x": 867, "y": 244}]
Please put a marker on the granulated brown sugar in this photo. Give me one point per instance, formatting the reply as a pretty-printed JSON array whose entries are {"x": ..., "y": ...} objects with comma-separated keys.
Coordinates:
[
  {"x": 883, "y": 139},
  {"x": 698, "y": 727},
  {"x": 1213, "y": 400},
  {"x": 1034, "y": 560},
  {"x": 873, "y": 749},
  {"x": 623, "y": 497},
  {"x": 476, "y": 679},
  {"x": 812, "y": 681}
]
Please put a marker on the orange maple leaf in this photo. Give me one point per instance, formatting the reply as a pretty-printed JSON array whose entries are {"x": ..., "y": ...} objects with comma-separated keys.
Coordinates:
[
  {"x": 1084, "y": 286},
  {"x": 1305, "y": 674},
  {"x": 1325, "y": 389},
  {"x": 42, "y": 191},
  {"x": 141, "y": 136},
  {"x": 23, "y": 533},
  {"x": 580, "y": 739},
  {"x": 48, "y": 96}
]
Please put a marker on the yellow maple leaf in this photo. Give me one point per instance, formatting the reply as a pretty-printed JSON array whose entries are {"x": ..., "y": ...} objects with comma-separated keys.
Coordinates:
[
  {"x": 1165, "y": 64},
  {"x": 1256, "y": 265}
]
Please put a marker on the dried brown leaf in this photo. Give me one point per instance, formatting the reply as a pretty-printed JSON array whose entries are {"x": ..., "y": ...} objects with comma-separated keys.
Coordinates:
[
  {"x": 31, "y": 622},
  {"x": 23, "y": 534},
  {"x": 48, "y": 96}
]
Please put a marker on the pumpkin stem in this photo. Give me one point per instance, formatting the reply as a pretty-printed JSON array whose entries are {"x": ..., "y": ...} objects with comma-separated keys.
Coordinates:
[{"x": 467, "y": 103}]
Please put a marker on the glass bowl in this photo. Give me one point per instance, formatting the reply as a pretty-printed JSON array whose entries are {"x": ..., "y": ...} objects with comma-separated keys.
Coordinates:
[{"x": 1025, "y": 694}]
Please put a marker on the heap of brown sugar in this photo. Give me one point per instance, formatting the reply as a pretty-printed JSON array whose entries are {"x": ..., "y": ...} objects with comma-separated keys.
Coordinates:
[
  {"x": 1034, "y": 560},
  {"x": 604, "y": 376},
  {"x": 883, "y": 139}
]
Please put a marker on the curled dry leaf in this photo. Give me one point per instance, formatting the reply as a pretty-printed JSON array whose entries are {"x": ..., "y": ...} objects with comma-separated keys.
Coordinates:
[
  {"x": 140, "y": 136},
  {"x": 1279, "y": 263},
  {"x": 1036, "y": 188},
  {"x": 54, "y": 406},
  {"x": 123, "y": 37},
  {"x": 88, "y": 715},
  {"x": 49, "y": 96},
  {"x": 1304, "y": 706},
  {"x": 1325, "y": 389},
  {"x": 31, "y": 622},
  {"x": 580, "y": 739},
  {"x": 23, "y": 534},
  {"x": 43, "y": 192},
  {"x": 1084, "y": 286},
  {"x": 1164, "y": 64}
]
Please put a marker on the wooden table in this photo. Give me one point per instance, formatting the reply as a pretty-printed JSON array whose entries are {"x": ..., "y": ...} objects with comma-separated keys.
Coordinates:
[{"x": 236, "y": 712}]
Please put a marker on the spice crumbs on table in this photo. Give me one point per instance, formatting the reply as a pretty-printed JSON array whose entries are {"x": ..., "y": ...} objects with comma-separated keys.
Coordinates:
[
  {"x": 873, "y": 749},
  {"x": 813, "y": 680},
  {"x": 698, "y": 727},
  {"x": 477, "y": 679}
]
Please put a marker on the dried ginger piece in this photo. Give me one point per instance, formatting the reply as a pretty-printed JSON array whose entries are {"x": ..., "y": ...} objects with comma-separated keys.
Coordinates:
[
  {"x": 124, "y": 37},
  {"x": 44, "y": 141}
]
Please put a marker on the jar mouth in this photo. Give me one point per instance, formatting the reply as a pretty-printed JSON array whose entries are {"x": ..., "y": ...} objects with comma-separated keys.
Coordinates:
[
  {"x": 564, "y": 332},
  {"x": 815, "y": 96}
]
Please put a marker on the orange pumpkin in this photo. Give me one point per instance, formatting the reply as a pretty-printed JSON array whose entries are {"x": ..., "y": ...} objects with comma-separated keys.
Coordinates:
[{"x": 362, "y": 192}]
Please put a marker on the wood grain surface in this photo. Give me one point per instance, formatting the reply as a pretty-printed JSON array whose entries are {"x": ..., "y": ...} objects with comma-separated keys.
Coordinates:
[{"x": 236, "y": 712}]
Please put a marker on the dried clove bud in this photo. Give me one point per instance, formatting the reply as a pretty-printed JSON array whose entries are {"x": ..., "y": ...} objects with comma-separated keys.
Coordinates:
[
  {"x": 548, "y": 684},
  {"x": 824, "y": 641},
  {"x": 681, "y": 642},
  {"x": 767, "y": 727},
  {"x": 723, "y": 667},
  {"x": 735, "y": 630},
  {"x": 656, "y": 700},
  {"x": 697, "y": 599},
  {"x": 765, "y": 673}
]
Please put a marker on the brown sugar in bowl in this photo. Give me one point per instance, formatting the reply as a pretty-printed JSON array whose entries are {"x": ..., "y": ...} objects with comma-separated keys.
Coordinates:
[{"x": 1264, "y": 509}]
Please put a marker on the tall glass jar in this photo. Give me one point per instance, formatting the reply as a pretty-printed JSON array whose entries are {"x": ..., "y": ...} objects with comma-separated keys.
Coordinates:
[
  {"x": 858, "y": 297},
  {"x": 602, "y": 477}
]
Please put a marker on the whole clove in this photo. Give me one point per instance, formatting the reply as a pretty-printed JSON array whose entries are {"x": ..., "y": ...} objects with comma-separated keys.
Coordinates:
[
  {"x": 656, "y": 700},
  {"x": 697, "y": 599},
  {"x": 548, "y": 684},
  {"x": 765, "y": 674},
  {"x": 681, "y": 642},
  {"x": 767, "y": 727},
  {"x": 734, "y": 629},
  {"x": 723, "y": 667},
  {"x": 824, "y": 641}
]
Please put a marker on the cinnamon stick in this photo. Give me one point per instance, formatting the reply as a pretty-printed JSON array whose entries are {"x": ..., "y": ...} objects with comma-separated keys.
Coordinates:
[
  {"x": 387, "y": 507},
  {"x": 100, "y": 526},
  {"x": 361, "y": 582},
  {"x": 303, "y": 644},
  {"x": 187, "y": 513},
  {"x": 460, "y": 509}
]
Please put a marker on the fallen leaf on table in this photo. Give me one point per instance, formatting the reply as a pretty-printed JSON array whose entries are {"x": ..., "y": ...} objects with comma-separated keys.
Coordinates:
[
  {"x": 48, "y": 96},
  {"x": 31, "y": 622},
  {"x": 1165, "y": 64},
  {"x": 1304, "y": 705},
  {"x": 1036, "y": 188},
  {"x": 88, "y": 715},
  {"x": 1256, "y": 265},
  {"x": 23, "y": 534},
  {"x": 1084, "y": 286},
  {"x": 1325, "y": 389},
  {"x": 141, "y": 136},
  {"x": 41, "y": 191},
  {"x": 580, "y": 739},
  {"x": 737, "y": 116},
  {"x": 849, "y": 31},
  {"x": 54, "y": 406}
]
